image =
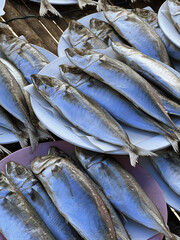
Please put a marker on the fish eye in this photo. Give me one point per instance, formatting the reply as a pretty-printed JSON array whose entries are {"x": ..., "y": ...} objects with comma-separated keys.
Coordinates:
[
  {"x": 80, "y": 27},
  {"x": 20, "y": 170}
]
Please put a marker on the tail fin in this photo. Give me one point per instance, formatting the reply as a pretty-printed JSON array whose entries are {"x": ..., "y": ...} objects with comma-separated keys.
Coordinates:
[
  {"x": 136, "y": 152},
  {"x": 33, "y": 139},
  {"x": 23, "y": 140},
  {"x": 45, "y": 6},
  {"x": 174, "y": 143},
  {"x": 173, "y": 237},
  {"x": 3, "y": 149}
]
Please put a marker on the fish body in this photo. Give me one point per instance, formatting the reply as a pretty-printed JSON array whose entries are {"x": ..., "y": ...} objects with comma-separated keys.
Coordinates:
[
  {"x": 104, "y": 31},
  {"x": 34, "y": 192},
  {"x": 136, "y": 32},
  {"x": 18, "y": 220},
  {"x": 174, "y": 10},
  {"x": 117, "y": 105},
  {"x": 123, "y": 79},
  {"x": 13, "y": 100},
  {"x": 122, "y": 190},
  {"x": 82, "y": 37},
  {"x": 80, "y": 203},
  {"x": 72, "y": 104},
  {"x": 149, "y": 68},
  {"x": 167, "y": 164},
  {"x": 152, "y": 19},
  {"x": 23, "y": 55}
]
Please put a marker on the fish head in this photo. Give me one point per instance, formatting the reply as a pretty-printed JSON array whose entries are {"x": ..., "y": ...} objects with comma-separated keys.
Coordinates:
[
  {"x": 73, "y": 75},
  {"x": 5, "y": 186},
  {"x": 18, "y": 174},
  {"x": 97, "y": 24},
  {"x": 54, "y": 151},
  {"x": 46, "y": 86},
  {"x": 77, "y": 32},
  {"x": 113, "y": 13},
  {"x": 7, "y": 42},
  {"x": 84, "y": 57},
  {"x": 88, "y": 158},
  {"x": 40, "y": 164},
  {"x": 147, "y": 15}
]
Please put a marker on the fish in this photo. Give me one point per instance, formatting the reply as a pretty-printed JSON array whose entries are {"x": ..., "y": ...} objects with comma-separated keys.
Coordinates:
[
  {"x": 149, "y": 68},
  {"x": 72, "y": 104},
  {"x": 26, "y": 182},
  {"x": 23, "y": 55},
  {"x": 8, "y": 122},
  {"x": 81, "y": 36},
  {"x": 123, "y": 79},
  {"x": 18, "y": 220},
  {"x": 167, "y": 164},
  {"x": 136, "y": 32},
  {"x": 104, "y": 31},
  {"x": 122, "y": 190},
  {"x": 113, "y": 102},
  {"x": 45, "y": 6},
  {"x": 41, "y": 131},
  {"x": 13, "y": 101},
  {"x": 174, "y": 11},
  {"x": 152, "y": 19},
  {"x": 80, "y": 203}
]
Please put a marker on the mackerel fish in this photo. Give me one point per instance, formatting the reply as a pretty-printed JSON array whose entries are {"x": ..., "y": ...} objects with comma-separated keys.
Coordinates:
[
  {"x": 118, "y": 226},
  {"x": 152, "y": 19},
  {"x": 41, "y": 131},
  {"x": 13, "y": 100},
  {"x": 18, "y": 220},
  {"x": 123, "y": 79},
  {"x": 167, "y": 164},
  {"x": 81, "y": 37},
  {"x": 174, "y": 10},
  {"x": 113, "y": 102},
  {"x": 72, "y": 104},
  {"x": 149, "y": 68},
  {"x": 23, "y": 55},
  {"x": 34, "y": 192},
  {"x": 123, "y": 191},
  {"x": 80, "y": 203},
  {"x": 104, "y": 31},
  {"x": 136, "y": 32}
]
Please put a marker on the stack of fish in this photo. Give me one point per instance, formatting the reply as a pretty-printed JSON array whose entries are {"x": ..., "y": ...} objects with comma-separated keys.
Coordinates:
[
  {"x": 16, "y": 113},
  {"x": 99, "y": 93},
  {"x": 62, "y": 202}
]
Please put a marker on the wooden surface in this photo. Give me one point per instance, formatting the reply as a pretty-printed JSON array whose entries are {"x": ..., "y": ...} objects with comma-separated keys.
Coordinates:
[{"x": 23, "y": 18}]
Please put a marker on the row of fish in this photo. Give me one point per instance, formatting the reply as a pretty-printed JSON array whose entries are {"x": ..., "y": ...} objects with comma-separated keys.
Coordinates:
[
  {"x": 61, "y": 191},
  {"x": 16, "y": 113}
]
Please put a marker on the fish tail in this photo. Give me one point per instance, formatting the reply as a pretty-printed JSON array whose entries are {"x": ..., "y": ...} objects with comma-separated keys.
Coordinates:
[
  {"x": 172, "y": 237},
  {"x": 135, "y": 152},
  {"x": 3, "y": 149},
  {"x": 33, "y": 139},
  {"x": 44, "y": 134},
  {"x": 23, "y": 140},
  {"x": 177, "y": 133},
  {"x": 45, "y": 6},
  {"x": 174, "y": 143}
]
